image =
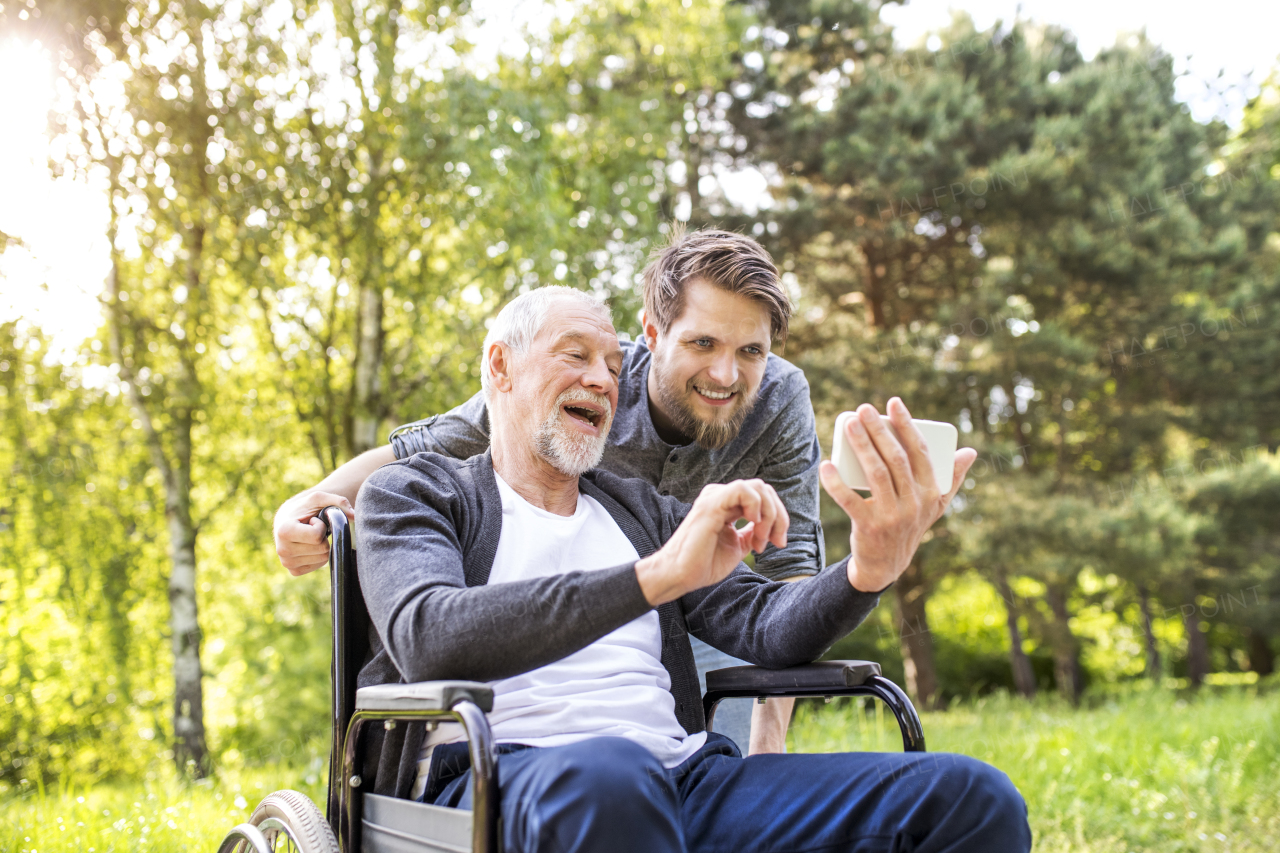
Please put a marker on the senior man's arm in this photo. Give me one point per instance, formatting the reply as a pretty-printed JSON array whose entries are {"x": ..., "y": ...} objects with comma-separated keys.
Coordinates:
[
  {"x": 774, "y": 624},
  {"x": 418, "y": 525}
]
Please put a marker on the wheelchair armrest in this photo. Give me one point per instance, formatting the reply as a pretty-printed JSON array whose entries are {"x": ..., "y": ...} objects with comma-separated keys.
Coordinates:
[
  {"x": 818, "y": 677},
  {"x": 424, "y": 696}
]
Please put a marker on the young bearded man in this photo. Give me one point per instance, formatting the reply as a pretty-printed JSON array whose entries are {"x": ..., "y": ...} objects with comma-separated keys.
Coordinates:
[
  {"x": 702, "y": 400},
  {"x": 573, "y": 593}
]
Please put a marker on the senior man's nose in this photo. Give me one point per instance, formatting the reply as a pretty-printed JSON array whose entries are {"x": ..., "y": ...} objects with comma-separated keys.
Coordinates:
[{"x": 598, "y": 375}]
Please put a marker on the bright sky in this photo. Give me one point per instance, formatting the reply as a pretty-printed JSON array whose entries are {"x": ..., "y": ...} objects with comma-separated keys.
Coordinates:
[
  {"x": 1236, "y": 37},
  {"x": 54, "y": 281}
]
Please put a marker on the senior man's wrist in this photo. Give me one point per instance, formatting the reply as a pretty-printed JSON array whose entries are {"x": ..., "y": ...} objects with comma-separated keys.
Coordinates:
[
  {"x": 657, "y": 580},
  {"x": 869, "y": 582}
]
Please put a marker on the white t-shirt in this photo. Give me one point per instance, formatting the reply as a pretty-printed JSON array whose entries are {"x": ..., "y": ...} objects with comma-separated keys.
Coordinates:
[{"x": 615, "y": 686}]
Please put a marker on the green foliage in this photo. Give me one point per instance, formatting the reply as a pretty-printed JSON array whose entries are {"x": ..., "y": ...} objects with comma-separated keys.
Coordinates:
[{"x": 313, "y": 214}]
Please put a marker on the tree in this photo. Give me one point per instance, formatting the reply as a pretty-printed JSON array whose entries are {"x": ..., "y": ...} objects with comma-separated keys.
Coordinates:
[{"x": 168, "y": 304}]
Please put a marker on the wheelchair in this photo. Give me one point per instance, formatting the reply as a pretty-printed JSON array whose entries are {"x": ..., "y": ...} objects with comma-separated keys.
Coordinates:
[{"x": 359, "y": 822}]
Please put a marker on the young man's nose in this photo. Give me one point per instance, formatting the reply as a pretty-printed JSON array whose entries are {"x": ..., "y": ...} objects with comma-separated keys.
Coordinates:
[{"x": 723, "y": 370}]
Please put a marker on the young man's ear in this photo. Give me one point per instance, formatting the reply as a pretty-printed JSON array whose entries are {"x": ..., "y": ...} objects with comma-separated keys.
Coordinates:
[
  {"x": 499, "y": 359},
  {"x": 649, "y": 330}
]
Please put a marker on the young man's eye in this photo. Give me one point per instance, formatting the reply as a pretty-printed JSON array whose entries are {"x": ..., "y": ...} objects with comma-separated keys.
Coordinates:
[{"x": 703, "y": 342}]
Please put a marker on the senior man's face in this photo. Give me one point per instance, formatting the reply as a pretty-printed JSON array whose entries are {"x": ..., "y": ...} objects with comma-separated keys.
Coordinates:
[{"x": 568, "y": 386}]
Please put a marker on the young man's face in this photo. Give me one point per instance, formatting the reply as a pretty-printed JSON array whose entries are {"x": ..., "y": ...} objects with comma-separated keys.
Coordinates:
[{"x": 708, "y": 366}]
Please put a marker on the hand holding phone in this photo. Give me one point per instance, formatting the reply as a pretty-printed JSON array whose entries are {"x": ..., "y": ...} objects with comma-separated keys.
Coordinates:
[{"x": 940, "y": 440}]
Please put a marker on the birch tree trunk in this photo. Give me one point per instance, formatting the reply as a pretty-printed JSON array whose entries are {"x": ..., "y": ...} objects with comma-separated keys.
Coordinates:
[
  {"x": 368, "y": 370},
  {"x": 190, "y": 751}
]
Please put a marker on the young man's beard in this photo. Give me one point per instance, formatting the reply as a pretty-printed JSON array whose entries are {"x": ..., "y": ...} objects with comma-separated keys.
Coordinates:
[
  {"x": 711, "y": 435},
  {"x": 569, "y": 451}
]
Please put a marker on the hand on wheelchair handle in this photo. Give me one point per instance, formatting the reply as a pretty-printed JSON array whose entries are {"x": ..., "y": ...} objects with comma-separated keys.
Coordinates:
[
  {"x": 706, "y": 546},
  {"x": 301, "y": 536}
]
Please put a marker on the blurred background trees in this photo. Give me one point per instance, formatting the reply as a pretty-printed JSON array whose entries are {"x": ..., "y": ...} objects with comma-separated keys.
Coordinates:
[{"x": 313, "y": 207}]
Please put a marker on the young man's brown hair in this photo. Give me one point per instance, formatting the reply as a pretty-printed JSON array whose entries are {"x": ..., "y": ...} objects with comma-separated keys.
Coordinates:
[{"x": 732, "y": 262}]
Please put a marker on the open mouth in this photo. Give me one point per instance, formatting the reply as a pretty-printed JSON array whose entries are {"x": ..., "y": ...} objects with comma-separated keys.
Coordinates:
[
  {"x": 584, "y": 414},
  {"x": 715, "y": 398}
]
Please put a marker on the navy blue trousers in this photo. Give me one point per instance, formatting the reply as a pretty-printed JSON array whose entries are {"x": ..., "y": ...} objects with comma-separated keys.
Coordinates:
[{"x": 608, "y": 795}]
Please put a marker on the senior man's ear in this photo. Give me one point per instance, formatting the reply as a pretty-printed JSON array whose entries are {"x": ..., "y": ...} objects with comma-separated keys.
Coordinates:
[{"x": 500, "y": 360}]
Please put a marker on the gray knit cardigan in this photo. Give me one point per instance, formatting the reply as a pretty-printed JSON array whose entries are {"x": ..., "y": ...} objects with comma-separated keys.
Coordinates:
[{"x": 427, "y": 531}]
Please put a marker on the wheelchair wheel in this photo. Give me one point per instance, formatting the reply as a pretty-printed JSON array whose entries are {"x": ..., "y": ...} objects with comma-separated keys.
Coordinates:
[{"x": 291, "y": 822}]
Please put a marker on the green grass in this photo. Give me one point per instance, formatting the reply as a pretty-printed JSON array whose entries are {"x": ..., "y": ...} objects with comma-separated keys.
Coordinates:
[
  {"x": 1140, "y": 771},
  {"x": 1143, "y": 771},
  {"x": 160, "y": 814}
]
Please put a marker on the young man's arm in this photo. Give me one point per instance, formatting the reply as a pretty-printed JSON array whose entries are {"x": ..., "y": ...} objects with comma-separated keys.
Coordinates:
[
  {"x": 792, "y": 469},
  {"x": 299, "y": 533},
  {"x": 300, "y": 536}
]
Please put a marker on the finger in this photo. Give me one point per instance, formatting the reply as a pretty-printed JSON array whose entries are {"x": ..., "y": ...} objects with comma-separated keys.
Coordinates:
[
  {"x": 768, "y": 514},
  {"x": 318, "y": 501},
  {"x": 912, "y": 440},
  {"x": 299, "y": 570},
  {"x": 850, "y": 501},
  {"x": 309, "y": 532},
  {"x": 873, "y": 464},
  {"x": 746, "y": 500},
  {"x": 889, "y": 448},
  {"x": 965, "y": 457},
  {"x": 782, "y": 520}
]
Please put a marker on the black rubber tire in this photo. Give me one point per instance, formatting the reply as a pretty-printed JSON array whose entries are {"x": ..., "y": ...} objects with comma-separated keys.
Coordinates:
[{"x": 296, "y": 811}]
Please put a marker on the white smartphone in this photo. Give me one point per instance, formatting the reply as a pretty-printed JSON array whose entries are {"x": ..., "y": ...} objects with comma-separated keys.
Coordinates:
[{"x": 940, "y": 439}]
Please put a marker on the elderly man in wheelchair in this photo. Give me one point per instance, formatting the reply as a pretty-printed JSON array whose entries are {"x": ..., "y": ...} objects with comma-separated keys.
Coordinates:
[{"x": 564, "y": 598}]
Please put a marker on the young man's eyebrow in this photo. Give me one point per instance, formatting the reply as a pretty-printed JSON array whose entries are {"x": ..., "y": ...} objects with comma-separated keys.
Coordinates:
[{"x": 689, "y": 337}]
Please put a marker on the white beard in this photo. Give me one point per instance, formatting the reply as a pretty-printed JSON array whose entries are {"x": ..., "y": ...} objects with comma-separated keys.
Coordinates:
[{"x": 569, "y": 451}]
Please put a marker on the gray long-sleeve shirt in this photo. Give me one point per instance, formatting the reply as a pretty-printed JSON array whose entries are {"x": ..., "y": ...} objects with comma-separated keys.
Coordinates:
[
  {"x": 428, "y": 529},
  {"x": 778, "y": 443}
]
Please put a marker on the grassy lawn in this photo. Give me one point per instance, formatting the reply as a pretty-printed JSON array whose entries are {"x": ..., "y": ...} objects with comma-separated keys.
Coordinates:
[{"x": 1145, "y": 771}]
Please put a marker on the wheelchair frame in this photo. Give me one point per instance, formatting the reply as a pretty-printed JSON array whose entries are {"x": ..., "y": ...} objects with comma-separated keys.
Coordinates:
[{"x": 370, "y": 823}]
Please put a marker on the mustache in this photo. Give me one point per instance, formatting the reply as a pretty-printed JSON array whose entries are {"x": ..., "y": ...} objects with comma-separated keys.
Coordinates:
[
  {"x": 736, "y": 388},
  {"x": 582, "y": 395}
]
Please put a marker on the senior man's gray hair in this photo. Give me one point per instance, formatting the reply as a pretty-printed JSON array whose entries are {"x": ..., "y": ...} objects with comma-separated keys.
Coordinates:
[{"x": 520, "y": 320}]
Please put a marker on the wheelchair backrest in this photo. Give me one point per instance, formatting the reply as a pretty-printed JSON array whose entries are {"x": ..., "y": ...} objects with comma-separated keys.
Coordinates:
[{"x": 350, "y": 643}]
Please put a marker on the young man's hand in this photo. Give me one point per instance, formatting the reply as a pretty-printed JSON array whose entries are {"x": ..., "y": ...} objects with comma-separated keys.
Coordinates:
[
  {"x": 300, "y": 534},
  {"x": 706, "y": 546},
  {"x": 904, "y": 501}
]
